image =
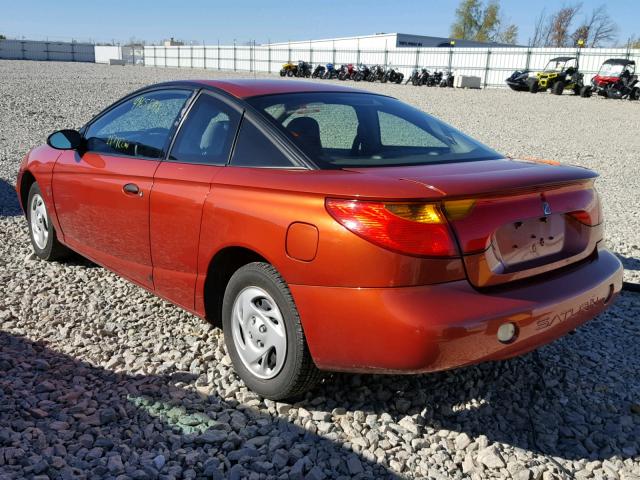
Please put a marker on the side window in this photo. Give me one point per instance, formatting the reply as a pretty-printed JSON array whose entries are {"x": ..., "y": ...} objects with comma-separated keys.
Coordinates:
[
  {"x": 253, "y": 149},
  {"x": 207, "y": 134},
  {"x": 139, "y": 127},
  {"x": 398, "y": 132}
]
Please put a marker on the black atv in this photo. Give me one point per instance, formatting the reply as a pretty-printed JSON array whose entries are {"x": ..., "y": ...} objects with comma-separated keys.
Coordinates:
[{"x": 518, "y": 81}]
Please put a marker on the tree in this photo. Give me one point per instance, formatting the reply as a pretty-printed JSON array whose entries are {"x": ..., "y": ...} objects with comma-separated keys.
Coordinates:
[
  {"x": 557, "y": 30},
  {"x": 2, "y": 37},
  {"x": 597, "y": 29},
  {"x": 475, "y": 21},
  {"x": 634, "y": 42},
  {"x": 560, "y": 25}
]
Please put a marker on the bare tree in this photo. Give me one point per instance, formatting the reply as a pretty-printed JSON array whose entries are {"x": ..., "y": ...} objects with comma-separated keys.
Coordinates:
[
  {"x": 600, "y": 28},
  {"x": 560, "y": 25},
  {"x": 540, "y": 36}
]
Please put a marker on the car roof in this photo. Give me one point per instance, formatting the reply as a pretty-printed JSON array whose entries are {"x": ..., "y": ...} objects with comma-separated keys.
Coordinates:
[
  {"x": 620, "y": 61},
  {"x": 561, "y": 59},
  {"x": 245, "y": 88}
]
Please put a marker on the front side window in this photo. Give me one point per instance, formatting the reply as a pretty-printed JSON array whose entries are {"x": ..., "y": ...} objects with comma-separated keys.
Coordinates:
[
  {"x": 138, "y": 127},
  {"x": 366, "y": 130},
  {"x": 207, "y": 134}
]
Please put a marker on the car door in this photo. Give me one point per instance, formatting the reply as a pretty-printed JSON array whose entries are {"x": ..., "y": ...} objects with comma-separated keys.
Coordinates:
[
  {"x": 101, "y": 193},
  {"x": 181, "y": 185}
]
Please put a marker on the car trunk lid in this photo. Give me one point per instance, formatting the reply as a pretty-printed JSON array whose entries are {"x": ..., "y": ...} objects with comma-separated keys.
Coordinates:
[{"x": 526, "y": 218}]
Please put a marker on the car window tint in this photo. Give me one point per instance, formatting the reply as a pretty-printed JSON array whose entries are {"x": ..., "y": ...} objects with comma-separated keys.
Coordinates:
[
  {"x": 207, "y": 134},
  {"x": 254, "y": 149},
  {"x": 138, "y": 127},
  {"x": 398, "y": 132}
]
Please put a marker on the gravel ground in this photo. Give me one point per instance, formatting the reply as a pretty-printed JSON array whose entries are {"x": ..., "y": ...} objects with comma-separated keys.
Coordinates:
[{"x": 99, "y": 379}]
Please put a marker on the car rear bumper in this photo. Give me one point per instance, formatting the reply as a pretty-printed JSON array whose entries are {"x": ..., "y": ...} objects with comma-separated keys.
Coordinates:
[{"x": 439, "y": 327}]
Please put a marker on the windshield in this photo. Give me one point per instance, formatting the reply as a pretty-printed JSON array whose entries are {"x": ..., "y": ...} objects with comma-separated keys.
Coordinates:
[
  {"x": 339, "y": 130},
  {"x": 611, "y": 70}
]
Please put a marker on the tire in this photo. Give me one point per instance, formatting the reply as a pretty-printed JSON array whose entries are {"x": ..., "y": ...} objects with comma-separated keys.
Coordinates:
[
  {"x": 283, "y": 72},
  {"x": 635, "y": 94},
  {"x": 290, "y": 73},
  {"x": 533, "y": 85},
  {"x": 42, "y": 233},
  {"x": 258, "y": 286},
  {"x": 399, "y": 79},
  {"x": 558, "y": 88},
  {"x": 585, "y": 91}
]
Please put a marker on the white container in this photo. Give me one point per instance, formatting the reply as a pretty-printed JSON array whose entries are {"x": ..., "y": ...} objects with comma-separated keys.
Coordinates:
[{"x": 465, "y": 81}]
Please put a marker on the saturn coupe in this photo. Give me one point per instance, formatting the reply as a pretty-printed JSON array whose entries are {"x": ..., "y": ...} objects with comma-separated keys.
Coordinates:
[{"x": 323, "y": 228}]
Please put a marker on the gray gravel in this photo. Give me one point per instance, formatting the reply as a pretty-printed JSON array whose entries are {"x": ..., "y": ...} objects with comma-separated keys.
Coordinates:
[{"x": 99, "y": 379}]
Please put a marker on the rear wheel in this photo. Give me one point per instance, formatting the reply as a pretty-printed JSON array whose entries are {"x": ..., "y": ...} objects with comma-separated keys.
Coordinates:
[
  {"x": 41, "y": 231},
  {"x": 558, "y": 88},
  {"x": 635, "y": 94},
  {"x": 264, "y": 336},
  {"x": 585, "y": 91},
  {"x": 290, "y": 73}
]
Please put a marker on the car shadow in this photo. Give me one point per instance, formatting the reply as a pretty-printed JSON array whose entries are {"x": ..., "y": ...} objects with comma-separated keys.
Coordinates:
[
  {"x": 66, "y": 418},
  {"x": 9, "y": 205},
  {"x": 550, "y": 401},
  {"x": 629, "y": 263}
]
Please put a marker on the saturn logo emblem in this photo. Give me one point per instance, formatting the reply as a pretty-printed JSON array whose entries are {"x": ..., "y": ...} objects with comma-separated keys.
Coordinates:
[{"x": 546, "y": 208}]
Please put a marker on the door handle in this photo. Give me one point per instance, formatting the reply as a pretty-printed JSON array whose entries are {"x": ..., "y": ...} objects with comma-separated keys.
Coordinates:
[{"x": 131, "y": 189}]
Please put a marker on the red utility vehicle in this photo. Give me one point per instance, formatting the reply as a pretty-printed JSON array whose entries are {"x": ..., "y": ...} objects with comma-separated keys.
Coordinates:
[
  {"x": 611, "y": 72},
  {"x": 324, "y": 228}
]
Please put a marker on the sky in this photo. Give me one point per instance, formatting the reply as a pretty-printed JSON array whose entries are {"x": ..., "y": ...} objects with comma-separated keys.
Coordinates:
[{"x": 263, "y": 20}]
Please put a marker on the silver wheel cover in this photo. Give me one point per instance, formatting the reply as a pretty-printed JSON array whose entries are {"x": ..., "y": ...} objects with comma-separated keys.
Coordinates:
[
  {"x": 259, "y": 333},
  {"x": 39, "y": 221}
]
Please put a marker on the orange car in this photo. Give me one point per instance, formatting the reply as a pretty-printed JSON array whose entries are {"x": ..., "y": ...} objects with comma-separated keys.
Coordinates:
[{"x": 323, "y": 228}]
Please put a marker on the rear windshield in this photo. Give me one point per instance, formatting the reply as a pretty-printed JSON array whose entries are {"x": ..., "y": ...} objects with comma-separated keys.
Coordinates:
[{"x": 339, "y": 130}]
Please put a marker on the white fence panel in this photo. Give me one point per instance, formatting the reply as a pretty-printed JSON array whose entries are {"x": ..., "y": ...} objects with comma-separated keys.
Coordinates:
[
  {"x": 40, "y": 50},
  {"x": 492, "y": 65}
]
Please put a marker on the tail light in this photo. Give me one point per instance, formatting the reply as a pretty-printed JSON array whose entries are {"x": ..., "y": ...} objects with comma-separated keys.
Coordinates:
[
  {"x": 592, "y": 216},
  {"x": 418, "y": 229}
]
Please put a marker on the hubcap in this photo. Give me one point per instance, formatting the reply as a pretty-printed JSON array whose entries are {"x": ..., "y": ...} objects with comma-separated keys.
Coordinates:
[
  {"x": 39, "y": 221},
  {"x": 259, "y": 333}
]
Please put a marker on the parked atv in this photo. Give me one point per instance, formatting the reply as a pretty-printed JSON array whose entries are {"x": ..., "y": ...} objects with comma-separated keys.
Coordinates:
[
  {"x": 319, "y": 71},
  {"x": 518, "y": 80},
  {"x": 330, "y": 72},
  {"x": 392, "y": 76},
  {"x": 288, "y": 69},
  {"x": 611, "y": 73},
  {"x": 303, "y": 70},
  {"x": 560, "y": 74},
  {"x": 626, "y": 87},
  {"x": 376, "y": 73}
]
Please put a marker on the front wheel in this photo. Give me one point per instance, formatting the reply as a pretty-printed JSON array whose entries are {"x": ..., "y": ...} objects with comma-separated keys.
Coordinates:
[
  {"x": 264, "y": 336},
  {"x": 41, "y": 231},
  {"x": 558, "y": 88}
]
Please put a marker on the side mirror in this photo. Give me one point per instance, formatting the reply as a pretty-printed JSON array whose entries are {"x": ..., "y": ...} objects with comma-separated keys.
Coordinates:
[{"x": 65, "y": 140}]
